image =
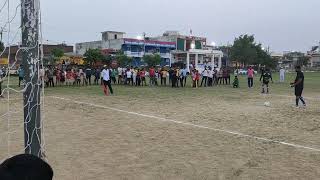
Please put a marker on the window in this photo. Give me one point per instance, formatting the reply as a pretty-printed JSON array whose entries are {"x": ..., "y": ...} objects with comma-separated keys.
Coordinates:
[{"x": 115, "y": 36}]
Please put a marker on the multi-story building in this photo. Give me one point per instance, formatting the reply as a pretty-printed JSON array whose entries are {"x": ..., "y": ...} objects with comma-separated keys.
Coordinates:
[
  {"x": 135, "y": 48},
  {"x": 192, "y": 51}
]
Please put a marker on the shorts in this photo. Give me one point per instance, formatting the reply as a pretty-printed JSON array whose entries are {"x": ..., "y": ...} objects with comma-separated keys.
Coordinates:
[
  {"x": 20, "y": 78},
  {"x": 298, "y": 91}
]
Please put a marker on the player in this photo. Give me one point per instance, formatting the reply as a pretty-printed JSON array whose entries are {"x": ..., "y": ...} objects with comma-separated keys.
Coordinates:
[
  {"x": 265, "y": 79},
  {"x": 298, "y": 85},
  {"x": 236, "y": 82}
]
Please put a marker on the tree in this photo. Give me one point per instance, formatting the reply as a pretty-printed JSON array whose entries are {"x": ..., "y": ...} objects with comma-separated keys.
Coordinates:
[
  {"x": 91, "y": 56},
  {"x": 57, "y": 53},
  {"x": 152, "y": 60},
  {"x": 303, "y": 60},
  {"x": 244, "y": 50},
  {"x": 247, "y": 52},
  {"x": 122, "y": 59}
]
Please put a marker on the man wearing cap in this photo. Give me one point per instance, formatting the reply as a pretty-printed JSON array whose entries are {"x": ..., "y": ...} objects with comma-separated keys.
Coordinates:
[{"x": 106, "y": 78}]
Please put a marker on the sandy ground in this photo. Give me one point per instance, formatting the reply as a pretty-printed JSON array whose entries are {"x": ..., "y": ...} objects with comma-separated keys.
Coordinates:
[{"x": 94, "y": 143}]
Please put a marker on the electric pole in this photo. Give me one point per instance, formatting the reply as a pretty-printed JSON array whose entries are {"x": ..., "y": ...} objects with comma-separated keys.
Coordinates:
[{"x": 30, "y": 62}]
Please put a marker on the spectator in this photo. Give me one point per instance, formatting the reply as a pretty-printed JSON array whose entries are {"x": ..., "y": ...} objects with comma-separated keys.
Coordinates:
[
  {"x": 120, "y": 76},
  {"x": 204, "y": 77},
  {"x": 152, "y": 75},
  {"x": 21, "y": 74},
  {"x": 210, "y": 77},
  {"x": 183, "y": 76},
  {"x": 164, "y": 77},
  {"x": 97, "y": 76},
  {"x": 88, "y": 75},
  {"x": 143, "y": 77}
]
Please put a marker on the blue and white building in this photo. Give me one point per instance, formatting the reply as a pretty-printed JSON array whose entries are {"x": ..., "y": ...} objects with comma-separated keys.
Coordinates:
[{"x": 135, "y": 48}]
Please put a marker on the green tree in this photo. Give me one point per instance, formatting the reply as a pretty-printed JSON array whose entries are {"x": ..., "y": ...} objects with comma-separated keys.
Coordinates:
[
  {"x": 57, "y": 53},
  {"x": 152, "y": 60},
  {"x": 122, "y": 59},
  {"x": 91, "y": 56},
  {"x": 244, "y": 50}
]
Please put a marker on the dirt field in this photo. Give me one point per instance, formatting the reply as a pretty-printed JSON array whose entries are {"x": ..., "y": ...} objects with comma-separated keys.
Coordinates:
[{"x": 164, "y": 133}]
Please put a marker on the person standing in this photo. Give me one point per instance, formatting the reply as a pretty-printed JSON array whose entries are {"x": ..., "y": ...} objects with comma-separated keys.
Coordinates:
[
  {"x": 50, "y": 77},
  {"x": 97, "y": 76},
  {"x": 265, "y": 79},
  {"x": 138, "y": 78},
  {"x": 204, "y": 77},
  {"x": 250, "y": 77},
  {"x": 114, "y": 73},
  {"x": 88, "y": 75},
  {"x": 298, "y": 85},
  {"x": 120, "y": 75},
  {"x": 143, "y": 77},
  {"x": 21, "y": 74},
  {"x": 129, "y": 76},
  {"x": 183, "y": 76},
  {"x": 164, "y": 77},
  {"x": 282, "y": 74},
  {"x": 106, "y": 79},
  {"x": 152, "y": 75},
  {"x": 134, "y": 76},
  {"x": 210, "y": 77}
]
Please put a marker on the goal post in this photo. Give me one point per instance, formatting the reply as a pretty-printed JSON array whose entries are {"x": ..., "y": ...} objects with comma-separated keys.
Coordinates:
[{"x": 31, "y": 65}]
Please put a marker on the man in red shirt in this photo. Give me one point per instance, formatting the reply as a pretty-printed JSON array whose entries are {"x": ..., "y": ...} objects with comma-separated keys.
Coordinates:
[{"x": 152, "y": 74}]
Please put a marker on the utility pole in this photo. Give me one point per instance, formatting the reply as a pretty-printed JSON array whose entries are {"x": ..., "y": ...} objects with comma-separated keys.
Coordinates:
[{"x": 30, "y": 62}]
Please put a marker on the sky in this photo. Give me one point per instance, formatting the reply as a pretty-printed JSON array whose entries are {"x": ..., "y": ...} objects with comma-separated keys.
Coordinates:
[{"x": 283, "y": 25}]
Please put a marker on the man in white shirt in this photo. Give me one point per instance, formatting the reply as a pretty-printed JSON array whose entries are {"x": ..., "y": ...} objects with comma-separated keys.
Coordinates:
[
  {"x": 282, "y": 74},
  {"x": 204, "y": 77},
  {"x": 106, "y": 78}
]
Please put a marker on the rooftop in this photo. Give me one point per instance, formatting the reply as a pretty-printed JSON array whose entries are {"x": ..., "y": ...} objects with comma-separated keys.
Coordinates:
[{"x": 118, "y": 32}]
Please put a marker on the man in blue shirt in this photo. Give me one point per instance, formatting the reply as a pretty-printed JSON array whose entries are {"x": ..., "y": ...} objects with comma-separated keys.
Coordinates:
[{"x": 184, "y": 75}]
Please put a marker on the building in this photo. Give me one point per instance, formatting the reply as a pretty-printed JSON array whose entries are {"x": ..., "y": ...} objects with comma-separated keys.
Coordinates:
[
  {"x": 192, "y": 51},
  {"x": 314, "y": 55},
  {"x": 15, "y": 54},
  {"x": 291, "y": 59},
  {"x": 112, "y": 41},
  {"x": 171, "y": 46}
]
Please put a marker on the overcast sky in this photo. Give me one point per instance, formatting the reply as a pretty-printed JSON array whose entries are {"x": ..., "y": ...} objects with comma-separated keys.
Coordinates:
[{"x": 280, "y": 24}]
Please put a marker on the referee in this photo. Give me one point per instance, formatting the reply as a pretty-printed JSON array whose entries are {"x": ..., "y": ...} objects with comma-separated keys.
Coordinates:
[{"x": 298, "y": 86}]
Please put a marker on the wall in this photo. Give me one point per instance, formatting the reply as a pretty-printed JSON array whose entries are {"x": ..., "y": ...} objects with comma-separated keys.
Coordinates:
[
  {"x": 111, "y": 35},
  {"x": 113, "y": 44},
  {"x": 81, "y": 48}
]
